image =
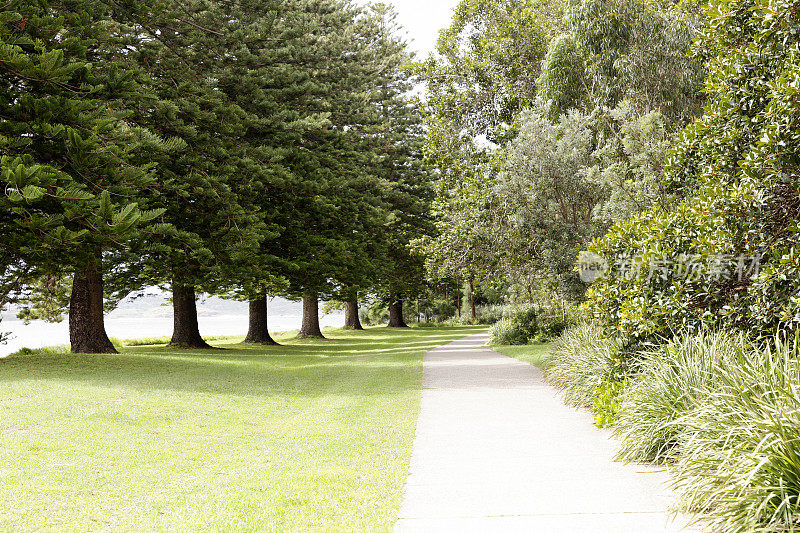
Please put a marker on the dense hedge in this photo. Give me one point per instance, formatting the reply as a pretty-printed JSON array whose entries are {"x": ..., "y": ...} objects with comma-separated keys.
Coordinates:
[
  {"x": 525, "y": 323},
  {"x": 735, "y": 185}
]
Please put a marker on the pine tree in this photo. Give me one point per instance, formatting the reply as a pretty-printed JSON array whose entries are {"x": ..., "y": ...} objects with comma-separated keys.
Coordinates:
[
  {"x": 180, "y": 51},
  {"x": 396, "y": 137},
  {"x": 379, "y": 177},
  {"x": 268, "y": 74},
  {"x": 327, "y": 197},
  {"x": 335, "y": 202},
  {"x": 74, "y": 200}
]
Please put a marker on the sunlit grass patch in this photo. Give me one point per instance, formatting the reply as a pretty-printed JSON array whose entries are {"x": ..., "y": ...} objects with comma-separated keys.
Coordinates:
[
  {"x": 307, "y": 436},
  {"x": 536, "y": 354}
]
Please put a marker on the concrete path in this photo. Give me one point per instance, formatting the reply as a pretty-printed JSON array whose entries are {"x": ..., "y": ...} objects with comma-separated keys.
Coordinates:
[{"x": 497, "y": 450}]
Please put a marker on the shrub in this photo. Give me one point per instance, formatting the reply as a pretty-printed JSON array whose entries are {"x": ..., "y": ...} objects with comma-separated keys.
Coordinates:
[
  {"x": 465, "y": 319},
  {"x": 49, "y": 350},
  {"x": 375, "y": 312},
  {"x": 524, "y": 323},
  {"x": 489, "y": 314},
  {"x": 148, "y": 341},
  {"x": 442, "y": 309},
  {"x": 504, "y": 332},
  {"x": 606, "y": 402},
  {"x": 554, "y": 320},
  {"x": 525, "y": 319},
  {"x": 582, "y": 361},
  {"x": 518, "y": 326},
  {"x": 486, "y": 315},
  {"x": 734, "y": 177},
  {"x": 156, "y": 341}
]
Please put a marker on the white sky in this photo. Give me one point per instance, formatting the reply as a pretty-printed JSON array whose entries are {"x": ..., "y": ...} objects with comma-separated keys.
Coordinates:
[{"x": 422, "y": 20}]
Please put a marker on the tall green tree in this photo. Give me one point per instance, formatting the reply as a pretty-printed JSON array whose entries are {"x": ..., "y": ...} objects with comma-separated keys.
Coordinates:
[
  {"x": 73, "y": 198},
  {"x": 392, "y": 135},
  {"x": 484, "y": 69},
  {"x": 265, "y": 75},
  {"x": 332, "y": 195},
  {"x": 336, "y": 206},
  {"x": 481, "y": 76},
  {"x": 546, "y": 197},
  {"x": 584, "y": 149},
  {"x": 565, "y": 181},
  {"x": 179, "y": 49},
  {"x": 614, "y": 50}
]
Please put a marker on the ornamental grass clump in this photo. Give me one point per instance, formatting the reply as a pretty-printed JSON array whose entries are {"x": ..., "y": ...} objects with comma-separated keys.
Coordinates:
[
  {"x": 726, "y": 415},
  {"x": 582, "y": 360},
  {"x": 739, "y": 460},
  {"x": 671, "y": 383}
]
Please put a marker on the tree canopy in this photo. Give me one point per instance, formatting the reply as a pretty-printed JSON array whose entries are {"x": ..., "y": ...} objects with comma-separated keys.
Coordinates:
[
  {"x": 245, "y": 148},
  {"x": 297, "y": 148}
]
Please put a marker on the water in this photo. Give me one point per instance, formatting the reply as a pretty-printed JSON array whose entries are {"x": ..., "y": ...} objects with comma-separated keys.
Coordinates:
[{"x": 135, "y": 320}]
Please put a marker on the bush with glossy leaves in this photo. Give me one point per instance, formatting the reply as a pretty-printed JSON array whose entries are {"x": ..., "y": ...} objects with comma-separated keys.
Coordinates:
[{"x": 735, "y": 175}]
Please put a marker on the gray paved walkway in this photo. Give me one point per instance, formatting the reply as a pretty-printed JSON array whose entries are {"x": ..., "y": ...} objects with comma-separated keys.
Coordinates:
[{"x": 497, "y": 450}]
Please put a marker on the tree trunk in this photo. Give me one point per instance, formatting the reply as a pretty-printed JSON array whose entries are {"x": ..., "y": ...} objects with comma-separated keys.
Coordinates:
[
  {"x": 186, "y": 332},
  {"x": 351, "y": 319},
  {"x": 396, "y": 314},
  {"x": 472, "y": 299},
  {"x": 310, "y": 327},
  {"x": 459, "y": 290},
  {"x": 257, "y": 331},
  {"x": 87, "y": 330}
]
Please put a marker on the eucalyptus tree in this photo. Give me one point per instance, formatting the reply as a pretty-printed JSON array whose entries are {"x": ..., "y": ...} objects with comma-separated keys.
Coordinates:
[
  {"x": 484, "y": 69},
  {"x": 623, "y": 75},
  {"x": 615, "y": 50},
  {"x": 525, "y": 182},
  {"x": 481, "y": 75}
]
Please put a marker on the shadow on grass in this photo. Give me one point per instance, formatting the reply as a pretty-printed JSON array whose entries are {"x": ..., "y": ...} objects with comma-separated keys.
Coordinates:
[{"x": 361, "y": 363}]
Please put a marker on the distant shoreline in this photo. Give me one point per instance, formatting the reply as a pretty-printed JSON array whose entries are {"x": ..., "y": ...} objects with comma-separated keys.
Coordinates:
[{"x": 40, "y": 334}]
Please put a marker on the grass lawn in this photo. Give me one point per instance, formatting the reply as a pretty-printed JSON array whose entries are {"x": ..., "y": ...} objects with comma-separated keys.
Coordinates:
[
  {"x": 313, "y": 435},
  {"x": 535, "y": 354}
]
